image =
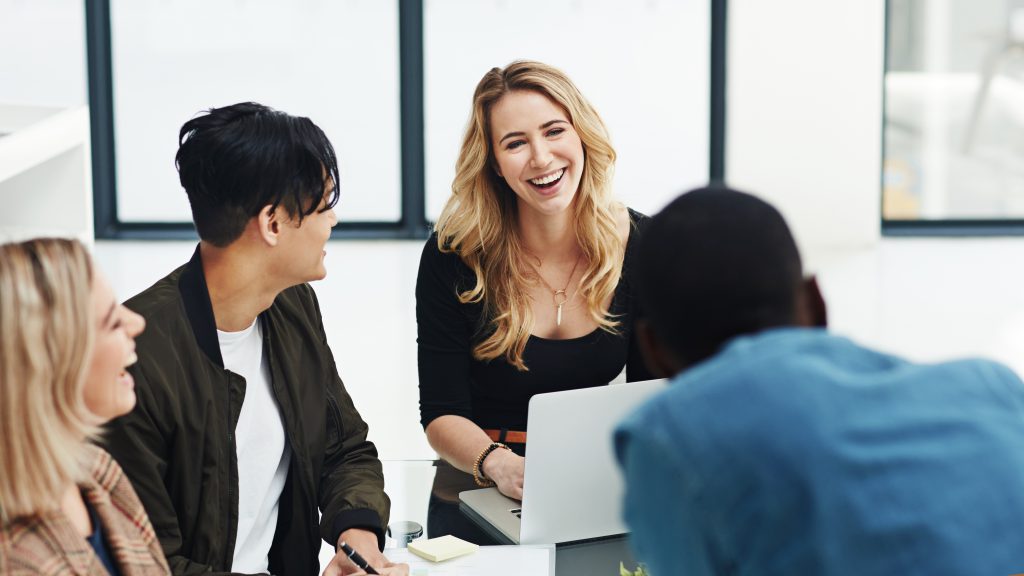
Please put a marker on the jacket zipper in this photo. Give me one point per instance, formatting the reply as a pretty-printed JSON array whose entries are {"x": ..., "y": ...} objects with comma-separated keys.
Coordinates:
[{"x": 230, "y": 554}]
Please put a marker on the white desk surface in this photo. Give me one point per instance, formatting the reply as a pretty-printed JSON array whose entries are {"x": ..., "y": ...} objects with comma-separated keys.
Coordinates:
[{"x": 536, "y": 560}]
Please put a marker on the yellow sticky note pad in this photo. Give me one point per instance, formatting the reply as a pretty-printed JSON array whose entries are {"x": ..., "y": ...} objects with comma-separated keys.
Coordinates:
[{"x": 442, "y": 548}]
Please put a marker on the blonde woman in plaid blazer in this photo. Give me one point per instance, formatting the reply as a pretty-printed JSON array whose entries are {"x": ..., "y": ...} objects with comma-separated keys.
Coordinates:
[{"x": 65, "y": 505}]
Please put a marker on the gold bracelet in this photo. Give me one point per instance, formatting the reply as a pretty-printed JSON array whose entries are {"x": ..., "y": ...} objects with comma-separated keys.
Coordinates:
[{"x": 478, "y": 473}]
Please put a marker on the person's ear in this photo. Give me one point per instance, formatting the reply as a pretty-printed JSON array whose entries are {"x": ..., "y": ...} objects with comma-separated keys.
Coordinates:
[
  {"x": 661, "y": 363},
  {"x": 811, "y": 310},
  {"x": 268, "y": 224}
]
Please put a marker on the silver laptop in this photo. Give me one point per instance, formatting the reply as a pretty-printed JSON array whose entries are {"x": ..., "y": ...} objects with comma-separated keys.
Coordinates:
[{"x": 572, "y": 489}]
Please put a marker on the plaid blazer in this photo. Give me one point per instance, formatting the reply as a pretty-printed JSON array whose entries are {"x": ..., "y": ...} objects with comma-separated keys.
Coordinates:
[{"x": 48, "y": 543}]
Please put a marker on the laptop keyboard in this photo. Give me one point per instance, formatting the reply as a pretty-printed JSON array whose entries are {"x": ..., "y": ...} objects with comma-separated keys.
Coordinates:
[{"x": 518, "y": 512}]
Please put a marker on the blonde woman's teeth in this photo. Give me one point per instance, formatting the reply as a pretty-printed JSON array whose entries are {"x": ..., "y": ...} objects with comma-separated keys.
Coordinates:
[{"x": 548, "y": 179}]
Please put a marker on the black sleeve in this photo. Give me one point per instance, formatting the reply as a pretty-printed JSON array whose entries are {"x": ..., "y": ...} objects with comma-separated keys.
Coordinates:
[
  {"x": 443, "y": 335},
  {"x": 351, "y": 493},
  {"x": 636, "y": 368}
]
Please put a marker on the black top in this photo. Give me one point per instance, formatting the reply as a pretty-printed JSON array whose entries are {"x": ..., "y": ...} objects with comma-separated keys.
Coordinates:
[
  {"x": 98, "y": 541},
  {"x": 495, "y": 394}
]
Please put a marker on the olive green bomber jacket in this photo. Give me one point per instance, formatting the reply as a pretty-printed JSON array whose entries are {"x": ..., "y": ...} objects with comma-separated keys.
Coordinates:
[{"x": 177, "y": 445}]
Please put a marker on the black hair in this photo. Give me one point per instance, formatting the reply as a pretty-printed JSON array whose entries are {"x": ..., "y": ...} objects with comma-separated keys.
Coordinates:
[
  {"x": 233, "y": 161},
  {"x": 714, "y": 264}
]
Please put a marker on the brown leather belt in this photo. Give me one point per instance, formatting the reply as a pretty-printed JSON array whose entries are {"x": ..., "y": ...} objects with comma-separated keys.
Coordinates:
[{"x": 506, "y": 436}]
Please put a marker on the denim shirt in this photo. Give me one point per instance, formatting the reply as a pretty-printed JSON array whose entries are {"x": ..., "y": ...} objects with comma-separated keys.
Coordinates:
[{"x": 797, "y": 452}]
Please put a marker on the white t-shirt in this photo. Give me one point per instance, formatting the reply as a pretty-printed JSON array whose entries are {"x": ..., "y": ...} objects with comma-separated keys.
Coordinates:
[{"x": 262, "y": 450}]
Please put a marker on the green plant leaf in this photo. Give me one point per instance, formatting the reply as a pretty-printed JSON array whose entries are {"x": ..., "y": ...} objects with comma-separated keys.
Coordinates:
[{"x": 641, "y": 570}]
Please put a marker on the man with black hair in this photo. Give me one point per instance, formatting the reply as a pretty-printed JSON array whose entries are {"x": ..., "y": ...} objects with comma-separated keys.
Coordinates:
[
  {"x": 782, "y": 449},
  {"x": 243, "y": 431}
]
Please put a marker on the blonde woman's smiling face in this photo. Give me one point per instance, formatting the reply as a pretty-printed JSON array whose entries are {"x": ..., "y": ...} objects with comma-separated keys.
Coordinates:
[
  {"x": 109, "y": 390},
  {"x": 537, "y": 151}
]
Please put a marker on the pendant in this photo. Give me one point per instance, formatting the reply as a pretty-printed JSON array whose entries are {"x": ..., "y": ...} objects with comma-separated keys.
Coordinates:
[{"x": 560, "y": 299}]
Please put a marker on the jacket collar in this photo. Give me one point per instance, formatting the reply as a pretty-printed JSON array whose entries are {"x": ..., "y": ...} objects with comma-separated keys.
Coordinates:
[{"x": 196, "y": 296}]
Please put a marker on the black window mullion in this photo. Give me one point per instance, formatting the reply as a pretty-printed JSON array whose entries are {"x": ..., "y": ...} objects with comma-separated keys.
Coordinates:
[
  {"x": 719, "y": 65},
  {"x": 410, "y": 65},
  {"x": 101, "y": 117}
]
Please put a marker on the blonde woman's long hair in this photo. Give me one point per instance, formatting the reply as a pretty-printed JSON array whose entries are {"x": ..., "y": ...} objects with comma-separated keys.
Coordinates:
[
  {"x": 479, "y": 220},
  {"x": 47, "y": 324}
]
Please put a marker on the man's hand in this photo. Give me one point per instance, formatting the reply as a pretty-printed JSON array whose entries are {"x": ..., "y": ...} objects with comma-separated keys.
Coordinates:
[
  {"x": 506, "y": 468},
  {"x": 365, "y": 543}
]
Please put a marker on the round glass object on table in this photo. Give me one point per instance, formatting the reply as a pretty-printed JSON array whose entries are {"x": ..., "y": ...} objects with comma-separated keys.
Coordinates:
[{"x": 404, "y": 532}]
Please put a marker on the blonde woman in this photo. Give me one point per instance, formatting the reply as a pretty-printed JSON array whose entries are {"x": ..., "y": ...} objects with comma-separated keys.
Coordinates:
[
  {"x": 65, "y": 506},
  {"x": 525, "y": 287}
]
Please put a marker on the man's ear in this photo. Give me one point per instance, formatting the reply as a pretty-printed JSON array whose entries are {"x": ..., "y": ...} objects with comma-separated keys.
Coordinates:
[
  {"x": 661, "y": 363},
  {"x": 811, "y": 309},
  {"x": 268, "y": 224}
]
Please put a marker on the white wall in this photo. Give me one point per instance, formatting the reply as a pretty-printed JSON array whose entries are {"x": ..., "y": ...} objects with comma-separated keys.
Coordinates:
[
  {"x": 42, "y": 52},
  {"x": 804, "y": 114}
]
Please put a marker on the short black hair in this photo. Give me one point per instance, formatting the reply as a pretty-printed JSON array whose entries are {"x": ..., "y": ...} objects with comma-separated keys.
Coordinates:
[
  {"x": 233, "y": 161},
  {"x": 714, "y": 264}
]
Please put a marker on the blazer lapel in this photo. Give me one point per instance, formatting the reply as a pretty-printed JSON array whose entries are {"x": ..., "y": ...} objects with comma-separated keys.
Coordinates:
[
  {"x": 129, "y": 535},
  {"x": 67, "y": 543}
]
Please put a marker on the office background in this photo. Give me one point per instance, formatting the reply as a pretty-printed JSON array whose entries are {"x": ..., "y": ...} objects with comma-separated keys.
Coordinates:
[{"x": 814, "y": 124}]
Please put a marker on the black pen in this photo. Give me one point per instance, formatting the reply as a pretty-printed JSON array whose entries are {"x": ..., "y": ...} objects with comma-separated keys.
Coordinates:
[{"x": 356, "y": 558}]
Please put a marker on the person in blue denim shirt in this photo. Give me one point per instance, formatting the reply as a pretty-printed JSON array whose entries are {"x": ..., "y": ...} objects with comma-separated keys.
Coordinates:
[{"x": 782, "y": 449}]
